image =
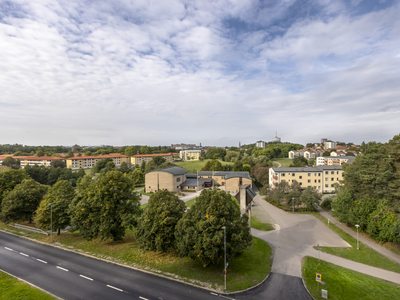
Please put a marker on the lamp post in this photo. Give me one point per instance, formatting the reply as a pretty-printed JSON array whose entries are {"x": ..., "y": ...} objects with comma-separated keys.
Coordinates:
[
  {"x": 225, "y": 266},
  {"x": 293, "y": 203},
  {"x": 51, "y": 222},
  {"x": 357, "y": 235},
  {"x": 197, "y": 180}
]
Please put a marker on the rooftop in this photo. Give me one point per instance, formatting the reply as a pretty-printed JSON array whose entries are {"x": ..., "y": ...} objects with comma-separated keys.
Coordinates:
[{"x": 172, "y": 170}]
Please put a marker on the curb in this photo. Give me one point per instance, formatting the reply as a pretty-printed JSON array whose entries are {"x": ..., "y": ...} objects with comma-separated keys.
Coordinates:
[
  {"x": 302, "y": 278},
  {"x": 31, "y": 284},
  {"x": 136, "y": 269}
]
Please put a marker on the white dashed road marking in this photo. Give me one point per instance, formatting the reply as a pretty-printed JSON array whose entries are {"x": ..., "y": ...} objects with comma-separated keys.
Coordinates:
[
  {"x": 24, "y": 254},
  {"x": 143, "y": 298},
  {"x": 62, "y": 269},
  {"x": 86, "y": 277},
  {"x": 8, "y": 249},
  {"x": 42, "y": 261},
  {"x": 113, "y": 287}
]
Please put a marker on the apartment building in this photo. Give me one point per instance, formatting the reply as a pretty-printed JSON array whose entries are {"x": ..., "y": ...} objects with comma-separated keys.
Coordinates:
[
  {"x": 334, "y": 160},
  {"x": 308, "y": 153},
  {"x": 86, "y": 162},
  {"x": 260, "y": 144},
  {"x": 322, "y": 178},
  {"x": 138, "y": 159},
  {"x": 190, "y": 154},
  {"x": 32, "y": 160}
]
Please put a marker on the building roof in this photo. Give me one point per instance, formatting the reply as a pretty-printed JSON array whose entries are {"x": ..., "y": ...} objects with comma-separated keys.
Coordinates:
[
  {"x": 250, "y": 192},
  {"x": 227, "y": 174},
  {"x": 32, "y": 157},
  {"x": 112, "y": 155},
  {"x": 193, "y": 181},
  {"x": 306, "y": 169},
  {"x": 156, "y": 154},
  {"x": 172, "y": 170}
]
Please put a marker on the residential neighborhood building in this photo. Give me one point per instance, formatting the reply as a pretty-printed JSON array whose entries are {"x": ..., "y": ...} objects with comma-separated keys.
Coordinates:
[
  {"x": 330, "y": 144},
  {"x": 139, "y": 158},
  {"x": 323, "y": 178},
  {"x": 260, "y": 144},
  {"x": 86, "y": 162},
  {"x": 184, "y": 146},
  {"x": 334, "y": 160},
  {"x": 169, "y": 179},
  {"x": 190, "y": 154},
  {"x": 230, "y": 180},
  {"x": 33, "y": 160}
]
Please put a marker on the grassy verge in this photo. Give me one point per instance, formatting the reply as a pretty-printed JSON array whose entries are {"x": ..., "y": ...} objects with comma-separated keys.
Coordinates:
[
  {"x": 12, "y": 288},
  {"x": 255, "y": 223},
  {"x": 285, "y": 162},
  {"x": 190, "y": 202},
  {"x": 246, "y": 271},
  {"x": 197, "y": 165},
  {"x": 364, "y": 255},
  {"x": 342, "y": 283},
  {"x": 143, "y": 193}
]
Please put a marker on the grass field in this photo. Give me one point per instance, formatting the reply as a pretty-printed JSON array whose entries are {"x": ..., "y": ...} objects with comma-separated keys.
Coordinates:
[
  {"x": 12, "y": 288},
  {"x": 343, "y": 284},
  {"x": 255, "y": 223},
  {"x": 364, "y": 255},
  {"x": 246, "y": 271},
  {"x": 197, "y": 165},
  {"x": 285, "y": 162}
]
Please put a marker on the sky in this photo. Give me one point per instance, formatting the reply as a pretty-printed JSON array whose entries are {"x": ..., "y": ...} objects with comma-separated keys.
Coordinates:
[{"x": 211, "y": 72}]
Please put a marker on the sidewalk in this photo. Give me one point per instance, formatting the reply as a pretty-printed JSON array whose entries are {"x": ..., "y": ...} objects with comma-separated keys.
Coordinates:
[{"x": 363, "y": 240}]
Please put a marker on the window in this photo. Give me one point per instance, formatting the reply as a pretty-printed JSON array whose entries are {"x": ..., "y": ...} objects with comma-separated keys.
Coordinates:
[
  {"x": 326, "y": 179},
  {"x": 337, "y": 179},
  {"x": 309, "y": 181},
  {"x": 300, "y": 177},
  {"x": 337, "y": 172},
  {"x": 326, "y": 172},
  {"x": 319, "y": 180},
  {"x": 326, "y": 185},
  {"x": 332, "y": 172},
  {"x": 283, "y": 174},
  {"x": 332, "y": 179},
  {"x": 309, "y": 174},
  {"x": 178, "y": 179},
  {"x": 301, "y": 183},
  {"x": 315, "y": 181},
  {"x": 331, "y": 185},
  {"x": 283, "y": 180},
  {"x": 292, "y": 174}
]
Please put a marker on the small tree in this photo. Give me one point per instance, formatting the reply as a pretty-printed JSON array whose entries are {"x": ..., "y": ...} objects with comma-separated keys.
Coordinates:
[
  {"x": 105, "y": 207},
  {"x": 20, "y": 203},
  {"x": 137, "y": 177},
  {"x": 101, "y": 164},
  {"x": 311, "y": 198},
  {"x": 60, "y": 195},
  {"x": 156, "y": 227},
  {"x": 199, "y": 234},
  {"x": 213, "y": 165},
  {"x": 158, "y": 160}
]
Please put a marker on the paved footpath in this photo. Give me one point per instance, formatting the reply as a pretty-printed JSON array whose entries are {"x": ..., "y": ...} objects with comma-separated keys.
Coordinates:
[{"x": 295, "y": 237}]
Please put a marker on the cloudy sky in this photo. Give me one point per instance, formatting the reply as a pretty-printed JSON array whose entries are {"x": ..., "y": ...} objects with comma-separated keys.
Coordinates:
[{"x": 210, "y": 72}]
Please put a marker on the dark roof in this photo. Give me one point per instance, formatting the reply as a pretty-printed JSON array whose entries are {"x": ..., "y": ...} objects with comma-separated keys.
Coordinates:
[
  {"x": 227, "y": 174},
  {"x": 189, "y": 175},
  {"x": 172, "y": 170},
  {"x": 193, "y": 182},
  {"x": 250, "y": 192}
]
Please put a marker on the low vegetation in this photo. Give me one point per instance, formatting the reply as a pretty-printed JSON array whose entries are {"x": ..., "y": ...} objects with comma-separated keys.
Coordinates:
[
  {"x": 255, "y": 223},
  {"x": 344, "y": 284}
]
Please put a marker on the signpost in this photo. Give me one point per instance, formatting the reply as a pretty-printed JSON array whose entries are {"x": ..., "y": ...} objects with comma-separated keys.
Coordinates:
[
  {"x": 318, "y": 279},
  {"x": 324, "y": 294}
]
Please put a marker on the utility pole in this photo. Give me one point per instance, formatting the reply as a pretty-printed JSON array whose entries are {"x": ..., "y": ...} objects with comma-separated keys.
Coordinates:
[
  {"x": 225, "y": 265},
  {"x": 51, "y": 222}
]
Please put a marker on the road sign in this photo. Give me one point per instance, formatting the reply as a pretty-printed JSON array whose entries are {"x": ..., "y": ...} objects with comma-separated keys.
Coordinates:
[
  {"x": 324, "y": 294},
  {"x": 318, "y": 277}
]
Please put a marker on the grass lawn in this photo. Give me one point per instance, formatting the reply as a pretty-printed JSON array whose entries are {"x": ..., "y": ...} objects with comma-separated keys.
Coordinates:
[
  {"x": 143, "y": 193},
  {"x": 246, "y": 271},
  {"x": 365, "y": 255},
  {"x": 197, "y": 165},
  {"x": 12, "y": 288},
  {"x": 255, "y": 223},
  {"x": 285, "y": 162},
  {"x": 342, "y": 283},
  {"x": 190, "y": 202}
]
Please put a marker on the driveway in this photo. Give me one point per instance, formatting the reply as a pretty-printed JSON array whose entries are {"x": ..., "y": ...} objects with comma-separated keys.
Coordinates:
[{"x": 186, "y": 198}]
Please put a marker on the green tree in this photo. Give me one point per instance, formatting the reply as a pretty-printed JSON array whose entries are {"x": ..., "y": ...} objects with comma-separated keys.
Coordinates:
[
  {"x": 9, "y": 161},
  {"x": 199, "y": 234},
  {"x": 137, "y": 177},
  {"x": 60, "y": 195},
  {"x": 110, "y": 166},
  {"x": 156, "y": 227},
  {"x": 69, "y": 154},
  {"x": 326, "y": 153},
  {"x": 299, "y": 161},
  {"x": 145, "y": 150},
  {"x": 101, "y": 164},
  {"x": 311, "y": 198},
  {"x": 39, "y": 153},
  {"x": 130, "y": 151},
  {"x": 57, "y": 164},
  {"x": 20, "y": 203},
  {"x": 247, "y": 168},
  {"x": 88, "y": 153},
  {"x": 124, "y": 167},
  {"x": 8, "y": 180},
  {"x": 238, "y": 166},
  {"x": 106, "y": 207},
  {"x": 213, "y": 165},
  {"x": 158, "y": 160}
]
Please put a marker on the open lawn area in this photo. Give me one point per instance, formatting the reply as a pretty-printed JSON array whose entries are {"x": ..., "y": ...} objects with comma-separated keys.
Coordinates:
[
  {"x": 12, "y": 288},
  {"x": 365, "y": 255},
  {"x": 197, "y": 165},
  {"x": 345, "y": 284},
  {"x": 246, "y": 271},
  {"x": 257, "y": 224},
  {"x": 285, "y": 162}
]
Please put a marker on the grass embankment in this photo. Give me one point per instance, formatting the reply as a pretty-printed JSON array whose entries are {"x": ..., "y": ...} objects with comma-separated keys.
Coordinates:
[
  {"x": 257, "y": 224},
  {"x": 246, "y": 271},
  {"x": 12, "y": 288},
  {"x": 197, "y": 165},
  {"x": 285, "y": 162},
  {"x": 342, "y": 283},
  {"x": 364, "y": 255}
]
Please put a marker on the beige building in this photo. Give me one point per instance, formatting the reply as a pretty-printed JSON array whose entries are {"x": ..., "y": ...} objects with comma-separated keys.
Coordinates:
[
  {"x": 138, "y": 159},
  {"x": 231, "y": 180},
  {"x": 190, "y": 154},
  {"x": 322, "y": 178},
  {"x": 33, "y": 160},
  {"x": 169, "y": 179},
  {"x": 334, "y": 160},
  {"x": 86, "y": 162}
]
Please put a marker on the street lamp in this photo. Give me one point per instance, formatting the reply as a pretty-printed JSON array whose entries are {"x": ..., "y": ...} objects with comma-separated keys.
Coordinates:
[
  {"x": 225, "y": 265},
  {"x": 357, "y": 235},
  {"x": 293, "y": 203},
  {"x": 51, "y": 222},
  {"x": 197, "y": 180}
]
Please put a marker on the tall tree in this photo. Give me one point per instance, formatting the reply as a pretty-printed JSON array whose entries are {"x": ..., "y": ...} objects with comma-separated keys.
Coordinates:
[
  {"x": 199, "y": 233},
  {"x": 8, "y": 180},
  {"x": 137, "y": 177},
  {"x": 101, "y": 164},
  {"x": 60, "y": 196},
  {"x": 213, "y": 165},
  {"x": 130, "y": 151},
  {"x": 106, "y": 207},
  {"x": 20, "y": 203},
  {"x": 156, "y": 227}
]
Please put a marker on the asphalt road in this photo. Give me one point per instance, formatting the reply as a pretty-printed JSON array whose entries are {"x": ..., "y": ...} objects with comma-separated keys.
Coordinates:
[{"x": 72, "y": 276}]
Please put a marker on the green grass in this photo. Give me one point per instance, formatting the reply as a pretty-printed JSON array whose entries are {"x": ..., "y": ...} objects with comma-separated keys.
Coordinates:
[
  {"x": 285, "y": 162},
  {"x": 255, "y": 223},
  {"x": 342, "y": 283},
  {"x": 12, "y": 288},
  {"x": 143, "y": 193},
  {"x": 190, "y": 202},
  {"x": 364, "y": 255},
  {"x": 197, "y": 165},
  {"x": 246, "y": 271}
]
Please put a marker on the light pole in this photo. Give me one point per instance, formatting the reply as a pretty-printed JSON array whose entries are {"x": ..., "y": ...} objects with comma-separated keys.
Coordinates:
[
  {"x": 357, "y": 235},
  {"x": 51, "y": 222},
  {"x": 197, "y": 180},
  {"x": 293, "y": 203},
  {"x": 224, "y": 228}
]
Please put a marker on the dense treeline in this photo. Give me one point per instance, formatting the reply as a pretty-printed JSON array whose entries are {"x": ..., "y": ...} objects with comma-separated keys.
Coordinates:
[{"x": 370, "y": 194}]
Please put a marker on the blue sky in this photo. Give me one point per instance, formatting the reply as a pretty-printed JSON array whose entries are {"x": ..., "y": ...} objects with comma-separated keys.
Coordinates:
[{"x": 215, "y": 72}]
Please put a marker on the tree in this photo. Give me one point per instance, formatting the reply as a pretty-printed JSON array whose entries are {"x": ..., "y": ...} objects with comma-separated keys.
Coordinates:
[
  {"x": 70, "y": 154},
  {"x": 311, "y": 198},
  {"x": 57, "y": 164},
  {"x": 260, "y": 174},
  {"x": 309, "y": 145},
  {"x": 326, "y": 153},
  {"x": 39, "y": 153},
  {"x": 130, "y": 151},
  {"x": 60, "y": 195},
  {"x": 20, "y": 203},
  {"x": 110, "y": 166},
  {"x": 124, "y": 167},
  {"x": 213, "y": 165},
  {"x": 158, "y": 160},
  {"x": 238, "y": 166},
  {"x": 247, "y": 168},
  {"x": 88, "y": 153},
  {"x": 10, "y": 179},
  {"x": 199, "y": 234},
  {"x": 145, "y": 150},
  {"x": 137, "y": 177},
  {"x": 299, "y": 161},
  {"x": 106, "y": 207},
  {"x": 156, "y": 227},
  {"x": 101, "y": 164},
  {"x": 9, "y": 161}
]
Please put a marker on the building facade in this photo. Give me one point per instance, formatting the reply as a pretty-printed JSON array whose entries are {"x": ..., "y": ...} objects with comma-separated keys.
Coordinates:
[
  {"x": 334, "y": 160},
  {"x": 190, "y": 154},
  {"x": 33, "y": 160},
  {"x": 260, "y": 144},
  {"x": 87, "y": 162},
  {"x": 323, "y": 178},
  {"x": 169, "y": 179},
  {"x": 230, "y": 180},
  {"x": 138, "y": 159}
]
